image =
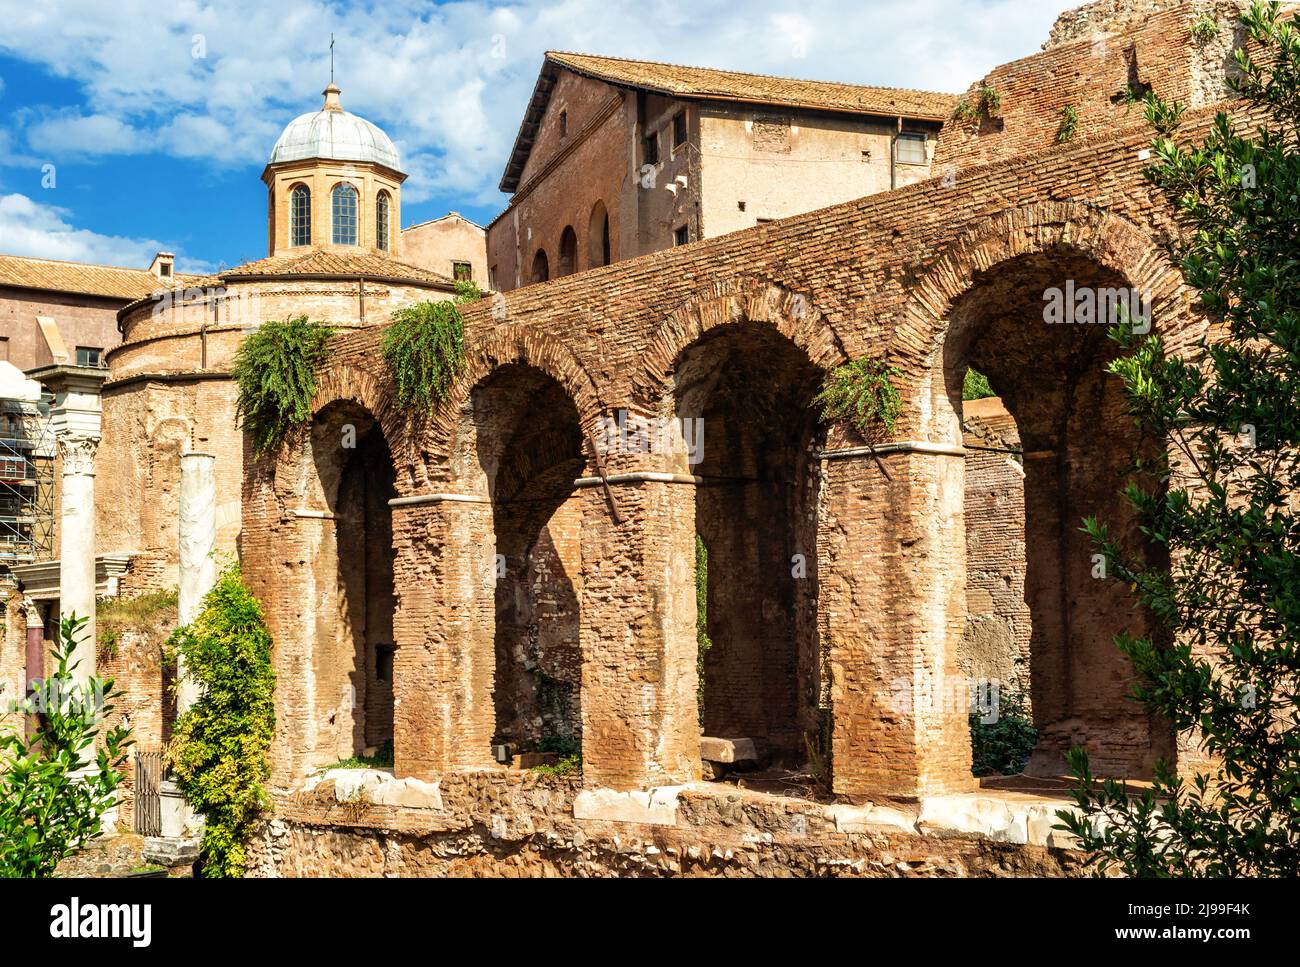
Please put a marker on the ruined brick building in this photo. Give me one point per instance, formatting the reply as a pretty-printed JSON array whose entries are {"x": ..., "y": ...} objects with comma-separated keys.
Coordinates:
[{"x": 505, "y": 571}]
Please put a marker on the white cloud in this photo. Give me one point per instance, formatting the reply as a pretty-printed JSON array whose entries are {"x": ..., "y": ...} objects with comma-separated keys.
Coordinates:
[
  {"x": 430, "y": 75},
  {"x": 43, "y": 231},
  {"x": 78, "y": 134}
]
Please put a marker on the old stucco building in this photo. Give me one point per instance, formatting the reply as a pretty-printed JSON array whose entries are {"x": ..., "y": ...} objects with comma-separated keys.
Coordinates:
[{"x": 618, "y": 158}]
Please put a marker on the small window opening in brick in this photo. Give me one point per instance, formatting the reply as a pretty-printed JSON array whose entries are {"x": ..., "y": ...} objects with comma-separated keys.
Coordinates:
[
  {"x": 679, "y": 129},
  {"x": 564, "y": 124},
  {"x": 681, "y": 235}
]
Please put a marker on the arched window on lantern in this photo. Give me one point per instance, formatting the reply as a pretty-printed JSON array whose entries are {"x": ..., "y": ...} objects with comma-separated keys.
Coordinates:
[
  {"x": 344, "y": 214},
  {"x": 300, "y": 215},
  {"x": 381, "y": 221}
]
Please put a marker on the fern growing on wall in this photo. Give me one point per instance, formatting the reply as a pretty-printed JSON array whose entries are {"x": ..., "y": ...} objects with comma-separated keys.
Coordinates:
[
  {"x": 219, "y": 747},
  {"x": 863, "y": 394},
  {"x": 424, "y": 347},
  {"x": 275, "y": 370}
]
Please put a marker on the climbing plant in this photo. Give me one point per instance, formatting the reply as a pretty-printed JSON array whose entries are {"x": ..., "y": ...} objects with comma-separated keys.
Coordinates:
[
  {"x": 702, "y": 640},
  {"x": 424, "y": 347},
  {"x": 218, "y": 752},
  {"x": 275, "y": 371},
  {"x": 863, "y": 393},
  {"x": 57, "y": 783}
]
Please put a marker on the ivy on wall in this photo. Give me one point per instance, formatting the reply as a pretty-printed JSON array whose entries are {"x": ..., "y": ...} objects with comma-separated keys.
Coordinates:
[
  {"x": 218, "y": 751},
  {"x": 424, "y": 348},
  {"x": 275, "y": 370}
]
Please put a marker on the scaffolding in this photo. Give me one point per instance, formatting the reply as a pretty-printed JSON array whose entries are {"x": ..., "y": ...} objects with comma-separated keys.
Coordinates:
[{"x": 26, "y": 483}]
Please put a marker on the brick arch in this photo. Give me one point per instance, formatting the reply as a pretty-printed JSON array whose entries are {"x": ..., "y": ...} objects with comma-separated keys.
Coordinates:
[
  {"x": 343, "y": 382},
  {"x": 513, "y": 345},
  {"x": 792, "y": 314},
  {"x": 1112, "y": 241}
]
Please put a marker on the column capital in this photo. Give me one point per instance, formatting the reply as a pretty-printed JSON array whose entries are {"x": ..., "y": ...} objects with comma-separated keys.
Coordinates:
[{"x": 78, "y": 452}]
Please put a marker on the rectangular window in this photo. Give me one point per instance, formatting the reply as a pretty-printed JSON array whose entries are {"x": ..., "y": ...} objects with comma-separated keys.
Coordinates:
[
  {"x": 462, "y": 271},
  {"x": 679, "y": 129},
  {"x": 652, "y": 148},
  {"x": 682, "y": 235},
  {"x": 4, "y": 348},
  {"x": 909, "y": 148},
  {"x": 564, "y": 124},
  {"x": 90, "y": 356},
  {"x": 165, "y": 269}
]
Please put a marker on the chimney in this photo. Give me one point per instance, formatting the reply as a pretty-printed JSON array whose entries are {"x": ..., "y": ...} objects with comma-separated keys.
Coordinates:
[{"x": 161, "y": 266}]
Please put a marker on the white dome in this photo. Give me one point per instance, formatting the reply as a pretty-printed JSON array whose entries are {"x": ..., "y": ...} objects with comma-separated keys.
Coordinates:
[{"x": 335, "y": 134}]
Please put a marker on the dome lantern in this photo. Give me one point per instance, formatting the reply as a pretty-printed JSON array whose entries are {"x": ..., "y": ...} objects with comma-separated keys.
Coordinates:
[{"x": 333, "y": 181}]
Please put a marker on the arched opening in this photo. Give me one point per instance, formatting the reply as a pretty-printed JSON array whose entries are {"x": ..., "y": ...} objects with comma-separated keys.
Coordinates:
[
  {"x": 300, "y": 215},
  {"x": 381, "y": 221},
  {"x": 755, "y": 447},
  {"x": 598, "y": 236},
  {"x": 529, "y": 447},
  {"x": 353, "y": 667},
  {"x": 1066, "y": 417},
  {"x": 541, "y": 266},
  {"x": 568, "y": 252},
  {"x": 343, "y": 212}
]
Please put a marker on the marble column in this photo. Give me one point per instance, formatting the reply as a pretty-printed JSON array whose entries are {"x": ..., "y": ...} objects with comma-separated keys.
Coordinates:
[
  {"x": 198, "y": 538},
  {"x": 75, "y": 419},
  {"x": 77, "y": 544}
]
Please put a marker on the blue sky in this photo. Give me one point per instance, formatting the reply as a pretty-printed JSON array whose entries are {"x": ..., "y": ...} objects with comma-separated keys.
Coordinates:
[{"x": 157, "y": 117}]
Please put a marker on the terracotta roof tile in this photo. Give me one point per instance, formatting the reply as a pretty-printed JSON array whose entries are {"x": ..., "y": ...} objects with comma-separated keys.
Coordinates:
[
  {"x": 338, "y": 264},
  {"x": 108, "y": 281},
  {"x": 708, "y": 83}
]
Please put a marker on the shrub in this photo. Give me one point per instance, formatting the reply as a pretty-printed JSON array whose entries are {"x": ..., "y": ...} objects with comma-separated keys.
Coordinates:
[
  {"x": 1219, "y": 503},
  {"x": 1002, "y": 746},
  {"x": 975, "y": 386},
  {"x": 275, "y": 370},
  {"x": 219, "y": 749},
  {"x": 56, "y": 786}
]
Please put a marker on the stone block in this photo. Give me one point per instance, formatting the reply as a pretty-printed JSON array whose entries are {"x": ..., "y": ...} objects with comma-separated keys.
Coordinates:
[
  {"x": 656, "y": 807},
  {"x": 731, "y": 751}
]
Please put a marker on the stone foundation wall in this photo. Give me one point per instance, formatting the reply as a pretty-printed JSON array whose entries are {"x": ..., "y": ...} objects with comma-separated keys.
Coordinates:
[{"x": 494, "y": 823}]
